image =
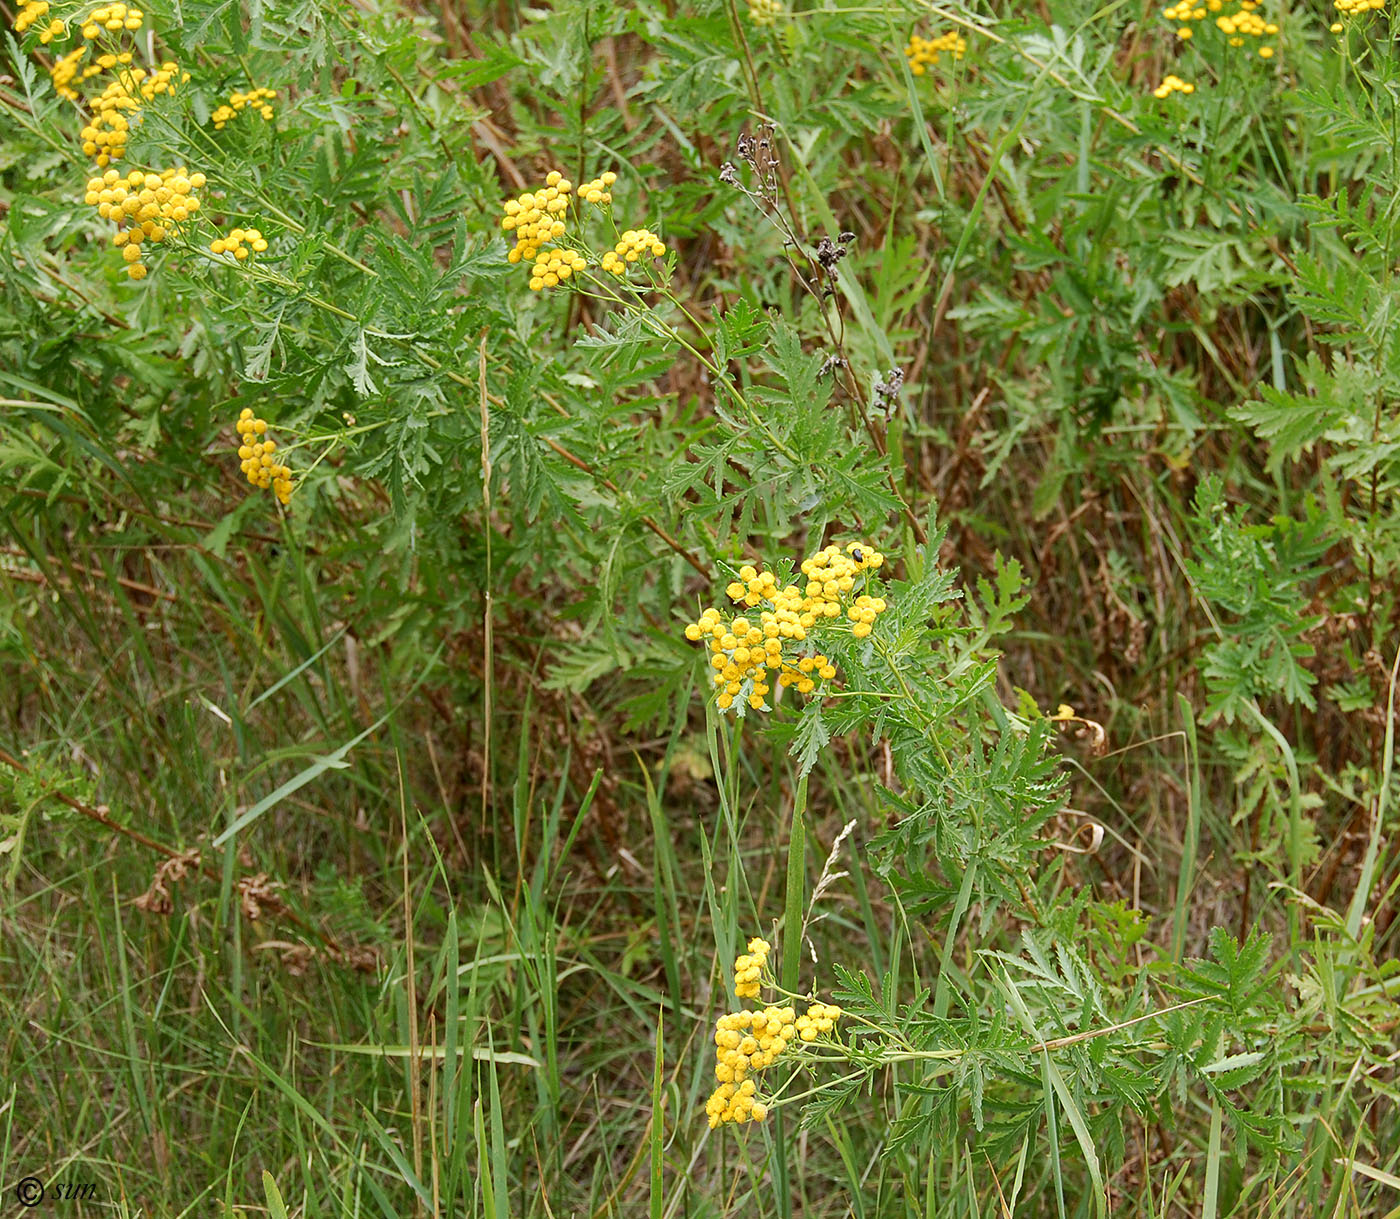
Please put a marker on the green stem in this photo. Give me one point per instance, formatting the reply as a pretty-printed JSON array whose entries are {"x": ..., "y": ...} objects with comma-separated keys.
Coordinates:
[
  {"x": 795, "y": 899},
  {"x": 794, "y": 902}
]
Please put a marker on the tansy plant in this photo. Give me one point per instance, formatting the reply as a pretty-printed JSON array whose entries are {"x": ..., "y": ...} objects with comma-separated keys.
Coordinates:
[
  {"x": 563, "y": 458},
  {"x": 148, "y": 206},
  {"x": 1240, "y": 27}
]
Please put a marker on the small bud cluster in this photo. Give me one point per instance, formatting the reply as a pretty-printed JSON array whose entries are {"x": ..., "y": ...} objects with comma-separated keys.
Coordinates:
[
  {"x": 744, "y": 650},
  {"x": 233, "y": 243},
  {"x": 1173, "y": 84},
  {"x": 66, "y": 69},
  {"x": 924, "y": 52},
  {"x": 553, "y": 267},
  {"x": 765, "y": 12},
  {"x": 747, "y": 1042},
  {"x": 634, "y": 244},
  {"x": 748, "y": 968},
  {"x": 30, "y": 13},
  {"x": 887, "y": 391},
  {"x": 820, "y": 1018},
  {"x": 256, "y": 460},
  {"x": 1185, "y": 10},
  {"x": 145, "y": 206},
  {"x": 598, "y": 191},
  {"x": 829, "y": 252},
  {"x": 258, "y": 100},
  {"x": 1247, "y": 24}
]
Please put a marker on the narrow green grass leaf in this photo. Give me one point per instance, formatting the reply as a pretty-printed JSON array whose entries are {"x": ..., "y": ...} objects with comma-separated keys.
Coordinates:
[
  {"x": 658, "y": 1119},
  {"x": 275, "y": 1206}
]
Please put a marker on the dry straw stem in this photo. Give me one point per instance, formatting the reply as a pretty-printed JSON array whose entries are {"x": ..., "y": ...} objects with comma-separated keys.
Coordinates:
[{"x": 39, "y": 577}]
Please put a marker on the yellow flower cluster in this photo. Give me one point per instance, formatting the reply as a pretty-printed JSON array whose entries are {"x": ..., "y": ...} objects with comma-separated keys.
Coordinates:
[
  {"x": 106, "y": 135},
  {"x": 1173, "y": 84},
  {"x": 820, "y": 1018},
  {"x": 554, "y": 267},
  {"x": 748, "y": 968},
  {"x": 1237, "y": 26},
  {"x": 232, "y": 243},
  {"x": 258, "y": 100},
  {"x": 750, "y": 1041},
  {"x": 743, "y": 651},
  {"x": 113, "y": 18},
  {"x": 1247, "y": 23},
  {"x": 633, "y": 244},
  {"x": 746, "y": 1041},
  {"x": 599, "y": 190},
  {"x": 537, "y": 217},
  {"x": 765, "y": 12},
  {"x": 148, "y": 205},
  {"x": 1354, "y": 8},
  {"x": 255, "y": 451},
  {"x": 29, "y": 14},
  {"x": 832, "y": 573},
  {"x": 65, "y": 71},
  {"x": 925, "y": 51}
]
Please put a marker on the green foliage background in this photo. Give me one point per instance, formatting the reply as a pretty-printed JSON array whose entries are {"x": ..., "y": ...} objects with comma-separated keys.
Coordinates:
[{"x": 438, "y": 726}]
